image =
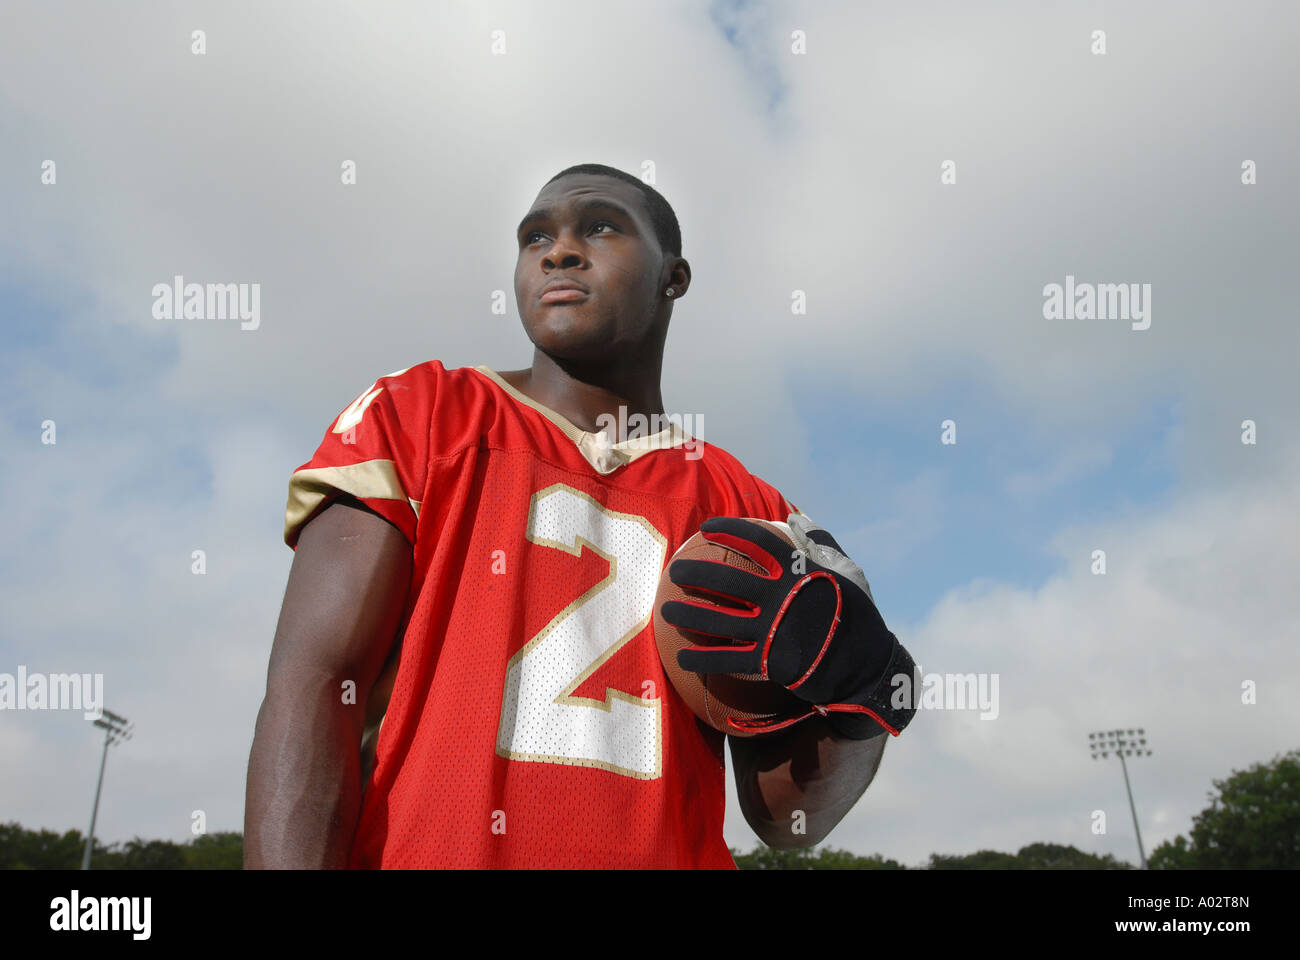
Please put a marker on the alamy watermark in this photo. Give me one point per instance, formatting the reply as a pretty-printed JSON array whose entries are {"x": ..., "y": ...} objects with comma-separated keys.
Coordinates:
[
  {"x": 53, "y": 691},
  {"x": 211, "y": 301},
  {"x": 75, "y": 913},
  {"x": 1098, "y": 301},
  {"x": 946, "y": 691},
  {"x": 623, "y": 427}
]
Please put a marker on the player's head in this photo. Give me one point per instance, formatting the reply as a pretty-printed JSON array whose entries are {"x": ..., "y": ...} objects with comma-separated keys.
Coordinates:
[{"x": 617, "y": 237}]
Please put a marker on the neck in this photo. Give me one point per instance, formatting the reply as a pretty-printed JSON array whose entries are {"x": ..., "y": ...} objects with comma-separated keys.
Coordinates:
[{"x": 581, "y": 392}]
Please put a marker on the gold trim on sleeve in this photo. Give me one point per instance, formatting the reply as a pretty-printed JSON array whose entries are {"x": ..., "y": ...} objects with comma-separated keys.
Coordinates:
[{"x": 371, "y": 479}]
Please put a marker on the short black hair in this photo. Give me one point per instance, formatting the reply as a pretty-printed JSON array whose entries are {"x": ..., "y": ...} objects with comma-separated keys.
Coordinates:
[{"x": 662, "y": 217}]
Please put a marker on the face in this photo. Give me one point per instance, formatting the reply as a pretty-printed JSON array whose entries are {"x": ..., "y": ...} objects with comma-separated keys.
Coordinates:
[{"x": 595, "y": 232}]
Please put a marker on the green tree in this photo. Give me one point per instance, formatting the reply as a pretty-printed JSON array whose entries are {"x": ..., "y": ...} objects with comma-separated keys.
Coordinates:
[
  {"x": 1035, "y": 856},
  {"x": 766, "y": 858},
  {"x": 1253, "y": 821},
  {"x": 215, "y": 851},
  {"x": 22, "y": 849},
  {"x": 1172, "y": 855},
  {"x": 980, "y": 860},
  {"x": 1054, "y": 856},
  {"x": 141, "y": 854}
]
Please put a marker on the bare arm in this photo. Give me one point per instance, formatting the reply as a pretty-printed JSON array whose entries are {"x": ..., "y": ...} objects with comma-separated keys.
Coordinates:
[
  {"x": 806, "y": 768},
  {"x": 342, "y": 608}
]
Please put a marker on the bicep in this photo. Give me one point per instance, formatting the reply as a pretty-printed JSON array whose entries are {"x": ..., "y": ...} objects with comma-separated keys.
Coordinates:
[{"x": 344, "y": 599}]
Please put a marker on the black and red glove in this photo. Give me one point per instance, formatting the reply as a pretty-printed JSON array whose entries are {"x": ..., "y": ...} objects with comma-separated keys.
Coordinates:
[{"x": 808, "y": 622}]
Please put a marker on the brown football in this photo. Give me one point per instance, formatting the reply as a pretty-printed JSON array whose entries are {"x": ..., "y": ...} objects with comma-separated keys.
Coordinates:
[{"x": 716, "y": 696}]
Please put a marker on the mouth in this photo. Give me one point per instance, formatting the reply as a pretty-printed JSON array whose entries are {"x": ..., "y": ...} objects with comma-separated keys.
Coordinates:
[{"x": 563, "y": 295}]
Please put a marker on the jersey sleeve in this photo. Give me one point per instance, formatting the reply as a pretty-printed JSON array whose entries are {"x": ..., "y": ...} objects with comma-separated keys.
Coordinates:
[{"x": 376, "y": 451}]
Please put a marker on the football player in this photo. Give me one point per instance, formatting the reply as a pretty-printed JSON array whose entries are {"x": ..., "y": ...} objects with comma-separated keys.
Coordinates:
[{"x": 464, "y": 672}]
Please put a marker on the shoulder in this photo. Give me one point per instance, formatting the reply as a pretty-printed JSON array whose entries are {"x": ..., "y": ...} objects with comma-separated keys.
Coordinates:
[
  {"x": 431, "y": 374},
  {"x": 743, "y": 493},
  {"x": 419, "y": 378},
  {"x": 424, "y": 388},
  {"x": 458, "y": 382},
  {"x": 722, "y": 465},
  {"x": 415, "y": 413}
]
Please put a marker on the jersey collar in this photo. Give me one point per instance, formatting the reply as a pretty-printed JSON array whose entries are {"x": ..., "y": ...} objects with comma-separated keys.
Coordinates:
[{"x": 604, "y": 457}]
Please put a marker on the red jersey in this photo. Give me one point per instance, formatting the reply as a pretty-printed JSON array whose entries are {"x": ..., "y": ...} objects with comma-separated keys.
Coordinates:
[{"x": 530, "y": 722}]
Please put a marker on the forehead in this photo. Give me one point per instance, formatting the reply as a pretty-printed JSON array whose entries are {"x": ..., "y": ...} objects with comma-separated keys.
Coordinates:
[{"x": 582, "y": 189}]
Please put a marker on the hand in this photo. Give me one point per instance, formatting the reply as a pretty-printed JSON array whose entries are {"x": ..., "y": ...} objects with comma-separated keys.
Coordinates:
[{"x": 809, "y": 624}]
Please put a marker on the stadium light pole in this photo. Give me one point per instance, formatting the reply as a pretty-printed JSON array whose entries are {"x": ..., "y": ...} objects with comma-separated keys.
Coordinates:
[
  {"x": 1121, "y": 742},
  {"x": 116, "y": 729}
]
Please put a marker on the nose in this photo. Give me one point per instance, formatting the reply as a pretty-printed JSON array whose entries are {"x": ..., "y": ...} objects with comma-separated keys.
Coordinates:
[{"x": 563, "y": 253}]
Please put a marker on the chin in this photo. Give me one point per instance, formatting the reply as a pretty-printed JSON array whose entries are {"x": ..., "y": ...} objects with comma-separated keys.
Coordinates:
[{"x": 570, "y": 337}]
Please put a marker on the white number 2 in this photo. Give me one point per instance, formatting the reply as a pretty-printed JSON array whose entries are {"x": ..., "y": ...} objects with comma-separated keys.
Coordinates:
[{"x": 541, "y": 720}]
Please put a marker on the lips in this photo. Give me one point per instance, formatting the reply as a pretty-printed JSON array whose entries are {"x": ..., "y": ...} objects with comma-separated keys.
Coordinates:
[{"x": 563, "y": 291}]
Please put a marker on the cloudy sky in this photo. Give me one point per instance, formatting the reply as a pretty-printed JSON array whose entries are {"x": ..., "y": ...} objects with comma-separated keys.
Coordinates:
[{"x": 804, "y": 148}]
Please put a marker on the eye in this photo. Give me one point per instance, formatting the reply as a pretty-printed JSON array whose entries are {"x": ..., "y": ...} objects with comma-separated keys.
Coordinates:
[{"x": 528, "y": 237}]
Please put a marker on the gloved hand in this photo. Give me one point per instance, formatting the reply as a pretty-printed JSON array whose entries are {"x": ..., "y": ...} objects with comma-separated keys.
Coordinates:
[{"x": 809, "y": 623}]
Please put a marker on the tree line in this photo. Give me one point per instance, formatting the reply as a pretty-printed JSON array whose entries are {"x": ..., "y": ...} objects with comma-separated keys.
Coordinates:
[{"x": 1253, "y": 821}]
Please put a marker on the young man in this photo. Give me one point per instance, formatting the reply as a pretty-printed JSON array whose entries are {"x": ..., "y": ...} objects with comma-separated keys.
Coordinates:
[{"x": 475, "y": 569}]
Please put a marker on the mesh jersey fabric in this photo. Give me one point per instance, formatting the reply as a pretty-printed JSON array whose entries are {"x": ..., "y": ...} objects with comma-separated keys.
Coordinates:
[{"x": 530, "y": 723}]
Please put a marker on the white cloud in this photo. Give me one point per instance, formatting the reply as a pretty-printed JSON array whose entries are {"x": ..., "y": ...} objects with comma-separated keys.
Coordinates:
[{"x": 1074, "y": 462}]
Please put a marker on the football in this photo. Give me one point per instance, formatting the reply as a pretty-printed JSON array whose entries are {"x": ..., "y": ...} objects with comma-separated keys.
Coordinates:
[{"x": 716, "y": 697}]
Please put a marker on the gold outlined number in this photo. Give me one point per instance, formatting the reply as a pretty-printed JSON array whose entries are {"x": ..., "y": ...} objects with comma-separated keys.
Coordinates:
[{"x": 541, "y": 720}]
